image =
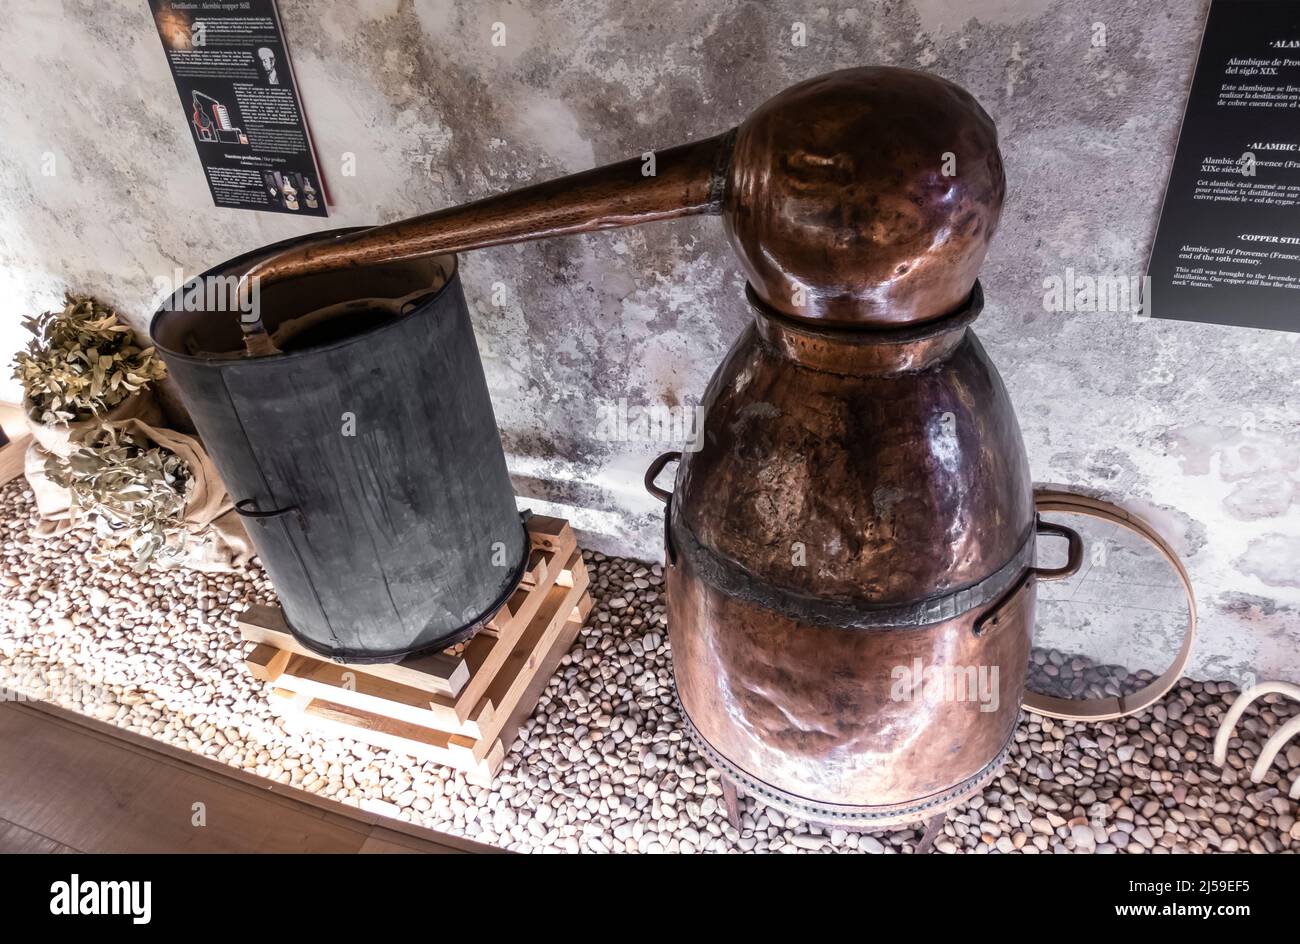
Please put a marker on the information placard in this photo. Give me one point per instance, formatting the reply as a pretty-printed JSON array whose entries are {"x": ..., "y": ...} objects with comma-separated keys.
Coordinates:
[
  {"x": 241, "y": 103},
  {"x": 1227, "y": 250}
]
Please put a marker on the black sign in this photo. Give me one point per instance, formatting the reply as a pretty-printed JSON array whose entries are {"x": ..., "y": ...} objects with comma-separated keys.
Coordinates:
[
  {"x": 241, "y": 103},
  {"x": 1228, "y": 247}
]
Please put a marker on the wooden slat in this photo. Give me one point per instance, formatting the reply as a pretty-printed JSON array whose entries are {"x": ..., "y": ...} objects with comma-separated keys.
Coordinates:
[
  {"x": 484, "y": 654},
  {"x": 344, "y": 721},
  {"x": 535, "y": 644},
  {"x": 541, "y": 678},
  {"x": 358, "y": 688},
  {"x": 534, "y": 573},
  {"x": 553, "y": 543},
  {"x": 486, "y": 772},
  {"x": 545, "y": 672},
  {"x": 553, "y": 534},
  {"x": 389, "y": 717},
  {"x": 266, "y": 662},
  {"x": 437, "y": 673},
  {"x": 510, "y": 609},
  {"x": 538, "y": 560}
]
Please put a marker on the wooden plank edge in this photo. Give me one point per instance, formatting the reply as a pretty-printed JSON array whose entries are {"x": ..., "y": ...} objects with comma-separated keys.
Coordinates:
[
  {"x": 504, "y": 693},
  {"x": 481, "y": 755},
  {"x": 435, "y": 673},
  {"x": 179, "y": 757}
]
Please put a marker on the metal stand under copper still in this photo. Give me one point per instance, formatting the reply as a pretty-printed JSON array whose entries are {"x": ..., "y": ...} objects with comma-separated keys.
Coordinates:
[{"x": 861, "y": 510}]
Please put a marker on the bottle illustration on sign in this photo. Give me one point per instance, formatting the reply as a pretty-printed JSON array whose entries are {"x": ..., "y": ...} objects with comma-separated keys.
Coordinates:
[
  {"x": 309, "y": 194},
  {"x": 211, "y": 121},
  {"x": 290, "y": 195}
]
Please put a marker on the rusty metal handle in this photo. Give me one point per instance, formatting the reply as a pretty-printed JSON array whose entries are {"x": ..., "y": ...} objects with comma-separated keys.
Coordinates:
[
  {"x": 247, "y": 509},
  {"x": 1074, "y": 558},
  {"x": 652, "y": 473}
]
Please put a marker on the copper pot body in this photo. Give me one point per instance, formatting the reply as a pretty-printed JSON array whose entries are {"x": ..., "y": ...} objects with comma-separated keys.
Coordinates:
[{"x": 850, "y": 568}]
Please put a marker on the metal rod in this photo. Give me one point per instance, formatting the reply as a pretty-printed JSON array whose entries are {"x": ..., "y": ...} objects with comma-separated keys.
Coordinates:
[{"x": 682, "y": 181}]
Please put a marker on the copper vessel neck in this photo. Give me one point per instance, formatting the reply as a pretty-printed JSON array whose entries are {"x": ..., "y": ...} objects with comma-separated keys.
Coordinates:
[{"x": 864, "y": 351}]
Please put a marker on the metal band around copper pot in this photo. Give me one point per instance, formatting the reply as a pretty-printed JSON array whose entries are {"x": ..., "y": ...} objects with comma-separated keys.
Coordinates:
[
  {"x": 731, "y": 578},
  {"x": 1045, "y": 500}
]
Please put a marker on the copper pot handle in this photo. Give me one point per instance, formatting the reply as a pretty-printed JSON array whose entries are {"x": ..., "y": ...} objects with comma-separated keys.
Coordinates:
[
  {"x": 652, "y": 473},
  {"x": 247, "y": 508},
  {"x": 1104, "y": 709},
  {"x": 1074, "y": 556}
]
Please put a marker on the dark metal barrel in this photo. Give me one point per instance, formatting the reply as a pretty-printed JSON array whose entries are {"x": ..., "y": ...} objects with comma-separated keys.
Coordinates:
[{"x": 365, "y": 458}]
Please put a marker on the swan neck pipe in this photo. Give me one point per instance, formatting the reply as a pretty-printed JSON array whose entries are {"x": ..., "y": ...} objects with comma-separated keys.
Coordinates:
[{"x": 681, "y": 181}]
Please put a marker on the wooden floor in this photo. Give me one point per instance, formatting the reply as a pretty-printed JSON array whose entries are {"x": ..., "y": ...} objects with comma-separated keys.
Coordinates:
[{"x": 72, "y": 784}]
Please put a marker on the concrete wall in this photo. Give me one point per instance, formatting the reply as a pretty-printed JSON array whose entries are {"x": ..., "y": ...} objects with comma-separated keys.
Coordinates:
[{"x": 1195, "y": 425}]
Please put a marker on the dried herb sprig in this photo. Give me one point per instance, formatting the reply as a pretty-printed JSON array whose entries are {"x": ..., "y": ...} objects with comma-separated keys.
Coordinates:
[
  {"x": 82, "y": 362},
  {"x": 133, "y": 492}
]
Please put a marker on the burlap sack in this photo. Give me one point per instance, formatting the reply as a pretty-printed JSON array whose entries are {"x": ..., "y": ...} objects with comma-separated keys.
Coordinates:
[
  {"x": 216, "y": 540},
  {"x": 142, "y": 405},
  {"x": 54, "y": 502}
]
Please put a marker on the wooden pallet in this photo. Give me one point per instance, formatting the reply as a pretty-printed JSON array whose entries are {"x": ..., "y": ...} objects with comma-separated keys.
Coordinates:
[
  {"x": 460, "y": 708},
  {"x": 13, "y": 452}
]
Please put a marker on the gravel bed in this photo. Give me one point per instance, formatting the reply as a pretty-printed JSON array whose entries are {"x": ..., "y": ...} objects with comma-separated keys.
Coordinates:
[
  {"x": 1073, "y": 675},
  {"x": 603, "y": 764}
]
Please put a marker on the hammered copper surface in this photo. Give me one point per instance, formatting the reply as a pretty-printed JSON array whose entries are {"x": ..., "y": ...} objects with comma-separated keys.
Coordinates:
[
  {"x": 876, "y": 487},
  {"x": 826, "y": 475},
  {"x": 865, "y": 197},
  {"x": 826, "y": 715}
]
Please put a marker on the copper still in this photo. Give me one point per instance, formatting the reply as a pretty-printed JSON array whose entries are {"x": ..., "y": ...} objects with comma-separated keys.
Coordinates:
[{"x": 859, "y": 524}]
